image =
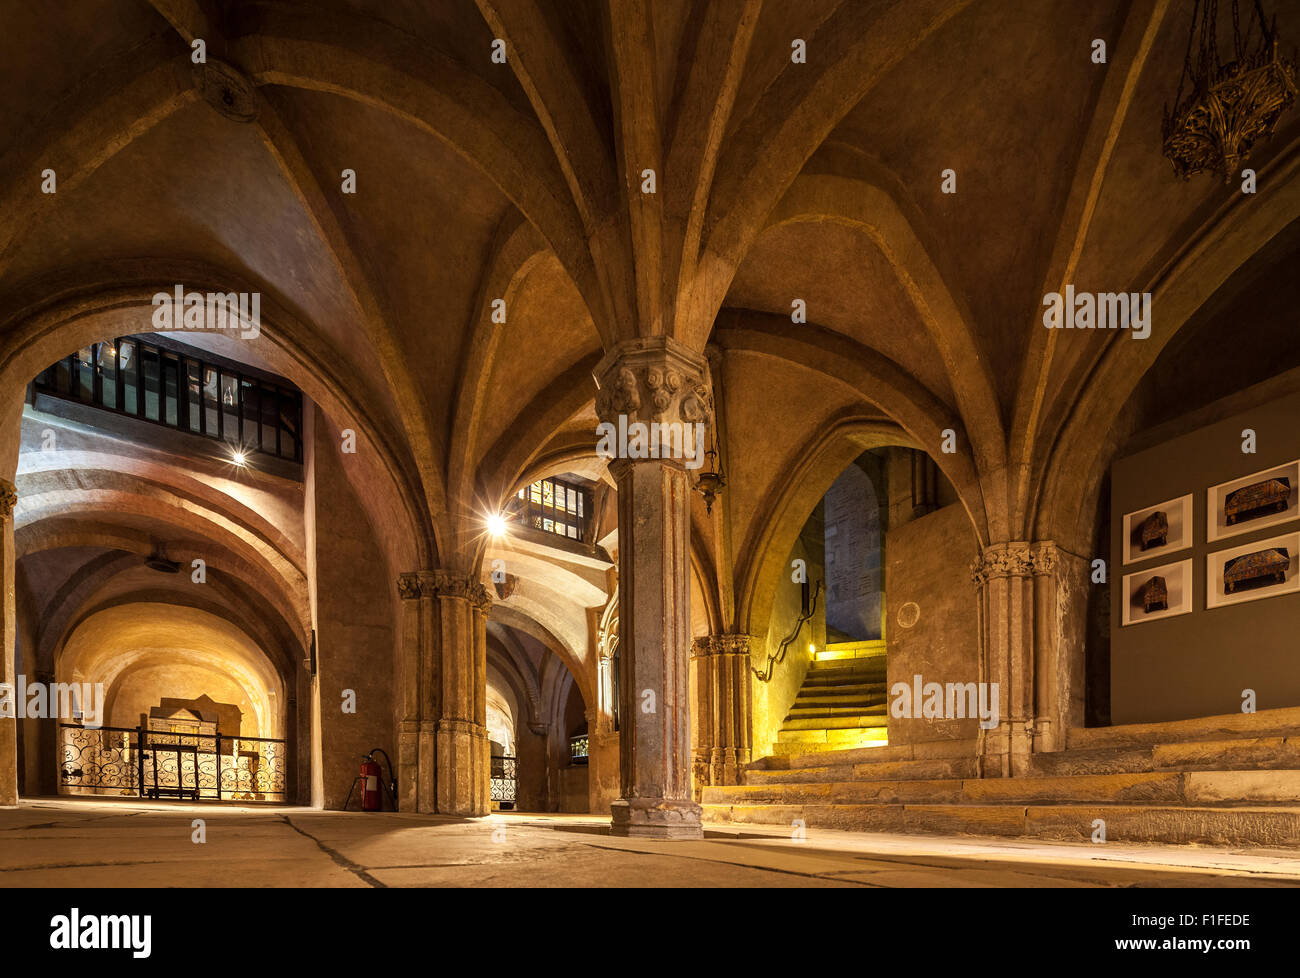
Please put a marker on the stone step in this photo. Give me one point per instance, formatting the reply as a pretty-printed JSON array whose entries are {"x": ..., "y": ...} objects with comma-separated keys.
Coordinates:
[
  {"x": 852, "y": 708},
  {"x": 1266, "y": 753},
  {"x": 874, "y": 753},
  {"x": 1256, "y": 753},
  {"x": 930, "y": 769},
  {"x": 1262, "y": 826},
  {"x": 1281, "y": 722},
  {"x": 835, "y": 738},
  {"x": 835, "y": 793},
  {"x": 830, "y": 680},
  {"x": 827, "y": 667},
  {"x": 840, "y": 651},
  {"x": 808, "y": 748},
  {"x": 806, "y": 706},
  {"x": 1171, "y": 787},
  {"x": 854, "y": 719},
  {"x": 822, "y": 693},
  {"x": 1103, "y": 761}
]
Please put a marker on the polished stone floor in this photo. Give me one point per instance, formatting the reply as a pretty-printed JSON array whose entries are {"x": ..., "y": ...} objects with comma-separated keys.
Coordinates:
[{"x": 129, "y": 843}]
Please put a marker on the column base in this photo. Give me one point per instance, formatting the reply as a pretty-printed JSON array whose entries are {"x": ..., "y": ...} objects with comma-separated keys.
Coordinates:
[
  {"x": 655, "y": 818},
  {"x": 408, "y": 765},
  {"x": 8, "y": 761},
  {"x": 464, "y": 761}
]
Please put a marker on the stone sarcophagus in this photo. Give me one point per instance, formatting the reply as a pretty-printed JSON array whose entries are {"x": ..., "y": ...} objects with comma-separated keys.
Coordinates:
[
  {"x": 1154, "y": 531},
  {"x": 1269, "y": 565},
  {"x": 1248, "y": 502},
  {"x": 1155, "y": 595}
]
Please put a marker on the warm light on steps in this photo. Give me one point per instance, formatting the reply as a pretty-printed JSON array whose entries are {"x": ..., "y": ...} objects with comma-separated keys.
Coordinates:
[
  {"x": 849, "y": 650},
  {"x": 841, "y": 704}
]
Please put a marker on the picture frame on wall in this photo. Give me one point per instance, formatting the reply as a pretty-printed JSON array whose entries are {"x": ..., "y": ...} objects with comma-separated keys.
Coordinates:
[
  {"x": 1261, "y": 499},
  {"x": 1253, "y": 571},
  {"x": 1156, "y": 592},
  {"x": 1158, "y": 531}
]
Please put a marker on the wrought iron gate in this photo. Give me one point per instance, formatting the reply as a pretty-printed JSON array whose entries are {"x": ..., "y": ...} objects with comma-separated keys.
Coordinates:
[
  {"x": 503, "y": 781},
  {"x": 135, "y": 762}
]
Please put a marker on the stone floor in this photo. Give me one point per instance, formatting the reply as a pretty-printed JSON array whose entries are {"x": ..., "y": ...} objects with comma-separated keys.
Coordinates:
[{"x": 128, "y": 843}]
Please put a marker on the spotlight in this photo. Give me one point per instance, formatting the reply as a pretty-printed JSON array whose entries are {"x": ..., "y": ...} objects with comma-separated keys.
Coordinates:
[
  {"x": 497, "y": 525},
  {"x": 239, "y": 457}
]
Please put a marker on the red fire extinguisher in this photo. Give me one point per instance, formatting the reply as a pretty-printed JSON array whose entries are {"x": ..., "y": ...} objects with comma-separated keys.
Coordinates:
[{"x": 372, "y": 798}]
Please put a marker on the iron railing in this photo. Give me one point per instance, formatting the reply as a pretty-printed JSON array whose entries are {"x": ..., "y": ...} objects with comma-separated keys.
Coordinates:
[
  {"x": 179, "y": 388},
  {"x": 137, "y": 762},
  {"x": 504, "y": 782},
  {"x": 765, "y": 674}
]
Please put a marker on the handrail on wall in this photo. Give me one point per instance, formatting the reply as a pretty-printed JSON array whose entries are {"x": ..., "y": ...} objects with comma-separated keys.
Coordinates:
[{"x": 765, "y": 675}]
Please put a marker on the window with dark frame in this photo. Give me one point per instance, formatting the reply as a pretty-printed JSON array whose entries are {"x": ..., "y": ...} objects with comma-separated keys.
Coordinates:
[
  {"x": 555, "y": 506},
  {"x": 179, "y": 389}
]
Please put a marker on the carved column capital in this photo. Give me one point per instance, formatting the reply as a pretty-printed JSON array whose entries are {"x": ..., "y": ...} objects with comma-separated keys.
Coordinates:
[
  {"x": 408, "y": 586},
  {"x": 653, "y": 379},
  {"x": 707, "y": 645},
  {"x": 8, "y": 499},
  {"x": 444, "y": 584},
  {"x": 1001, "y": 560},
  {"x": 1044, "y": 558}
]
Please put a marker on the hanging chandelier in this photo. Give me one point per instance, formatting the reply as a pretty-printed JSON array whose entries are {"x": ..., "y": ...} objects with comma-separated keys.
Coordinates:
[{"x": 1231, "y": 105}]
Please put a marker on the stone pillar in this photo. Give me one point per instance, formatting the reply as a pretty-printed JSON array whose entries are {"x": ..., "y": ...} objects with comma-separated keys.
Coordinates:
[
  {"x": 1003, "y": 578},
  {"x": 723, "y": 709},
  {"x": 644, "y": 382},
  {"x": 464, "y": 752},
  {"x": 1032, "y": 608},
  {"x": 1060, "y": 625},
  {"x": 414, "y": 656},
  {"x": 8, "y": 634},
  {"x": 531, "y": 760},
  {"x": 444, "y": 755}
]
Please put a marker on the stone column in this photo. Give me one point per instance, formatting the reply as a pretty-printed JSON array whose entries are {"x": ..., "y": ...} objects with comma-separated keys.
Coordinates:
[
  {"x": 464, "y": 752},
  {"x": 444, "y": 755},
  {"x": 1060, "y": 625},
  {"x": 723, "y": 709},
  {"x": 8, "y": 633},
  {"x": 1002, "y": 576},
  {"x": 645, "y": 382},
  {"x": 414, "y": 655}
]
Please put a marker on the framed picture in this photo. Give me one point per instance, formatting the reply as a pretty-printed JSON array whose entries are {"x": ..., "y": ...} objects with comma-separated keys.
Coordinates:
[
  {"x": 1263, "y": 569},
  {"x": 1264, "y": 498},
  {"x": 1157, "y": 592},
  {"x": 1159, "y": 530}
]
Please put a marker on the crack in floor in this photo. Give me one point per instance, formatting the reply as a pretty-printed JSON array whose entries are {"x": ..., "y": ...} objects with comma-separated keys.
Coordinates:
[
  {"x": 734, "y": 865},
  {"x": 355, "y": 868}
]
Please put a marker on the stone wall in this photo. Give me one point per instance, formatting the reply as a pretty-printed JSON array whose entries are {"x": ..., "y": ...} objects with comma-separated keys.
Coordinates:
[
  {"x": 354, "y": 624},
  {"x": 929, "y": 586}
]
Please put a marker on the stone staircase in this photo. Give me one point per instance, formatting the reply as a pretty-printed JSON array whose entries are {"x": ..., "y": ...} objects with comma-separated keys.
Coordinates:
[
  {"x": 841, "y": 703},
  {"x": 1216, "y": 784}
]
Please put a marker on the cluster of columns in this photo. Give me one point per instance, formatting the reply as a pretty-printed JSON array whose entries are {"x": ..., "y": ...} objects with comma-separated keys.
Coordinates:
[
  {"x": 1032, "y": 611},
  {"x": 723, "y": 709},
  {"x": 444, "y": 754}
]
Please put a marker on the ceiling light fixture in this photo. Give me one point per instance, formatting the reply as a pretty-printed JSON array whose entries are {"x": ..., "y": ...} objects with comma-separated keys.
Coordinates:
[
  {"x": 1233, "y": 104},
  {"x": 711, "y": 481}
]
